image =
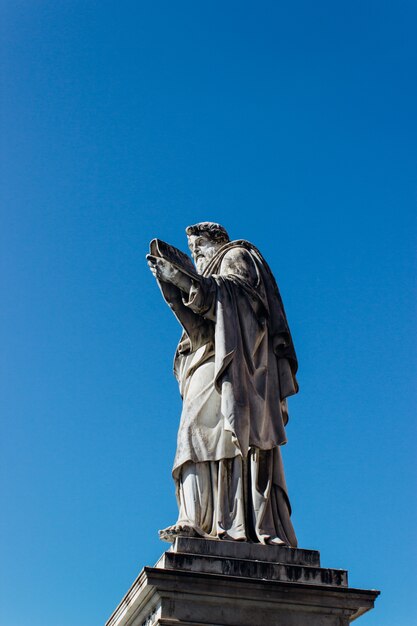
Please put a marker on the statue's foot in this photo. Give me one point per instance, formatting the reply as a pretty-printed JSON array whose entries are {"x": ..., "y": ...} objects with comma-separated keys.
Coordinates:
[
  {"x": 225, "y": 536},
  {"x": 170, "y": 533},
  {"x": 276, "y": 541}
]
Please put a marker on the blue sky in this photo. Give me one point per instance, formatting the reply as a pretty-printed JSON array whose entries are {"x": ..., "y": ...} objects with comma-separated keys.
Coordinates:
[{"x": 293, "y": 124}]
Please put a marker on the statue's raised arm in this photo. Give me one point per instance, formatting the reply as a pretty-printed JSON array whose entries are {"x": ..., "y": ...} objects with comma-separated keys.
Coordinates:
[{"x": 236, "y": 366}]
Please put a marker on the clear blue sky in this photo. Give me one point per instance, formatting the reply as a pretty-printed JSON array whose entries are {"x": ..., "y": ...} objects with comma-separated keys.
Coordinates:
[{"x": 294, "y": 125}]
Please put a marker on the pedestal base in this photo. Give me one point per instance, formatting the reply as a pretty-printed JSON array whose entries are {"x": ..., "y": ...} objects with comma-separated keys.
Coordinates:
[{"x": 224, "y": 583}]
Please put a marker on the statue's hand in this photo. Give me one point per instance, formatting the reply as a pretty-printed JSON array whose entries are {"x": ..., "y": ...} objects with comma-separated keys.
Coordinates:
[
  {"x": 162, "y": 269},
  {"x": 165, "y": 271}
]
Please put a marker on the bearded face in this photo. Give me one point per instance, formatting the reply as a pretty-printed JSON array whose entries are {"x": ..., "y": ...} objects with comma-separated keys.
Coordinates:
[{"x": 203, "y": 250}]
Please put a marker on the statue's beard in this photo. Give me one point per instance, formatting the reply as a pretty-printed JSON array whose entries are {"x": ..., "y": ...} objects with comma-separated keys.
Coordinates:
[{"x": 203, "y": 260}]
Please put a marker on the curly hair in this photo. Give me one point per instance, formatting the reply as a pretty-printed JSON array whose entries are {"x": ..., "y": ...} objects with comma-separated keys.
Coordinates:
[{"x": 215, "y": 232}]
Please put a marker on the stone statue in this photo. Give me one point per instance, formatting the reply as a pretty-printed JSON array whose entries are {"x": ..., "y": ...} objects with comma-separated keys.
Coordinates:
[{"x": 235, "y": 365}]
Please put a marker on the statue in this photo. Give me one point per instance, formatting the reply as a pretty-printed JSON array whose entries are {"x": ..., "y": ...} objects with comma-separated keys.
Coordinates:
[{"x": 236, "y": 366}]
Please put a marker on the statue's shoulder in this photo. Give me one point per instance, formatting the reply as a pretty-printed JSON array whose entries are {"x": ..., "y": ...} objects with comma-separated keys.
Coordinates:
[
  {"x": 237, "y": 251},
  {"x": 236, "y": 248},
  {"x": 233, "y": 255},
  {"x": 241, "y": 251},
  {"x": 238, "y": 260}
]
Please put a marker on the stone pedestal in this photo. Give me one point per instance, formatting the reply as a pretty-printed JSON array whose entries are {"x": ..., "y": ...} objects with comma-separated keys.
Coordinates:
[{"x": 224, "y": 583}]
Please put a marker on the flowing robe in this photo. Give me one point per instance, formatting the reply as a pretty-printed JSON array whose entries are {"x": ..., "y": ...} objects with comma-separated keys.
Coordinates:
[{"x": 236, "y": 366}]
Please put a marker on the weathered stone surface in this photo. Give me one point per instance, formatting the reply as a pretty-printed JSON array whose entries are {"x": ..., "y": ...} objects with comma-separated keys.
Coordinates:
[
  {"x": 253, "y": 569},
  {"x": 193, "y": 590},
  {"x": 244, "y": 550}
]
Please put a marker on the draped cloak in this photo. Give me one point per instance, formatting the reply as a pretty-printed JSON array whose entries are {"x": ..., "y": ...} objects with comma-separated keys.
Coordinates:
[{"x": 235, "y": 365}]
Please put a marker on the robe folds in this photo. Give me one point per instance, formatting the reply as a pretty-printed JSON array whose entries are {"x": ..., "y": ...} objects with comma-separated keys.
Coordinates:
[{"x": 235, "y": 366}]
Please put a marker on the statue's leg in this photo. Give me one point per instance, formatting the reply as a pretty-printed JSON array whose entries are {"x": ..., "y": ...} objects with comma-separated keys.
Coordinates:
[
  {"x": 269, "y": 501},
  {"x": 230, "y": 500},
  {"x": 195, "y": 502},
  {"x": 195, "y": 496}
]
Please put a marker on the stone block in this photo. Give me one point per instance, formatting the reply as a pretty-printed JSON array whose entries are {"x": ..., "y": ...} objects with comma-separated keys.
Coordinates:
[{"x": 245, "y": 550}]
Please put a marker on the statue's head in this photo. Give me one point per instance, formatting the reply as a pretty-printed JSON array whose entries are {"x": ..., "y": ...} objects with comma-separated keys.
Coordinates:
[{"x": 204, "y": 239}]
